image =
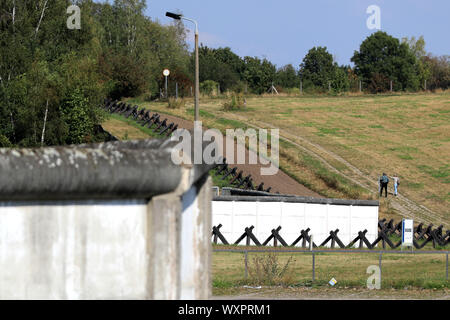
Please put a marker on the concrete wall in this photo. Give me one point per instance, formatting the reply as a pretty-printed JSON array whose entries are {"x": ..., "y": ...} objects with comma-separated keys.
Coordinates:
[
  {"x": 73, "y": 250},
  {"x": 124, "y": 249},
  {"x": 293, "y": 216},
  {"x": 128, "y": 237}
]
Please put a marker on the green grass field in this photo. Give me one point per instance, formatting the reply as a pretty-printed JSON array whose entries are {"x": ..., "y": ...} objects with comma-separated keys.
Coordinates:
[
  {"x": 349, "y": 269},
  {"x": 339, "y": 145}
]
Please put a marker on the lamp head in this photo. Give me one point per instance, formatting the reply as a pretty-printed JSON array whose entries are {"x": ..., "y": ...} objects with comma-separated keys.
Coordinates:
[{"x": 173, "y": 15}]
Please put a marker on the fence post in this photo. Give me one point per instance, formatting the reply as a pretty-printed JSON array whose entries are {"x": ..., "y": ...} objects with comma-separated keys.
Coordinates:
[
  {"x": 301, "y": 87},
  {"x": 379, "y": 265},
  {"x": 359, "y": 85},
  {"x": 313, "y": 267},
  {"x": 446, "y": 266},
  {"x": 176, "y": 90},
  {"x": 246, "y": 264}
]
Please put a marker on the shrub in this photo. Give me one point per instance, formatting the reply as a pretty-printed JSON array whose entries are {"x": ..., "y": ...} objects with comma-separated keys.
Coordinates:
[
  {"x": 174, "y": 103},
  {"x": 236, "y": 101},
  {"x": 76, "y": 114},
  {"x": 4, "y": 142},
  {"x": 293, "y": 91},
  {"x": 239, "y": 87},
  {"x": 208, "y": 87},
  {"x": 268, "y": 270}
]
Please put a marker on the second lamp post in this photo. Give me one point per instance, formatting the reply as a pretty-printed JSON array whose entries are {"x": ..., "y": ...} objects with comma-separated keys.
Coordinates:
[{"x": 197, "y": 85}]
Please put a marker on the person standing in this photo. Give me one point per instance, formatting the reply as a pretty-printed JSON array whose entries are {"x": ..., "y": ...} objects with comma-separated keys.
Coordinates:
[
  {"x": 396, "y": 184},
  {"x": 384, "y": 180}
]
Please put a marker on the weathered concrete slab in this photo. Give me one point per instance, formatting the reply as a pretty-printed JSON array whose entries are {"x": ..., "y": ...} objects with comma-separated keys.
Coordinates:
[
  {"x": 116, "y": 220},
  {"x": 112, "y": 170}
]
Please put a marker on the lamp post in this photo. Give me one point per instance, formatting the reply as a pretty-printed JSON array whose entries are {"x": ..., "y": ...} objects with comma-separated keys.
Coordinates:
[{"x": 197, "y": 85}]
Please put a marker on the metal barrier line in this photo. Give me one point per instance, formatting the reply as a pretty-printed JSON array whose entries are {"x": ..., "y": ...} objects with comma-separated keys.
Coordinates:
[
  {"x": 446, "y": 267},
  {"x": 379, "y": 265},
  {"x": 313, "y": 267}
]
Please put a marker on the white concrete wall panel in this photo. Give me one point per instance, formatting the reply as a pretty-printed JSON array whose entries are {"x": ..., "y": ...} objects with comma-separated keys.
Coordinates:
[
  {"x": 293, "y": 217},
  {"x": 293, "y": 220},
  {"x": 244, "y": 215},
  {"x": 268, "y": 218}
]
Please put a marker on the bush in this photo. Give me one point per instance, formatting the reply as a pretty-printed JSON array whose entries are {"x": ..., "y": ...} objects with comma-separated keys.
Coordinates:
[
  {"x": 239, "y": 87},
  {"x": 174, "y": 103},
  {"x": 267, "y": 270},
  {"x": 379, "y": 83},
  {"x": 208, "y": 87},
  {"x": 4, "y": 142},
  {"x": 293, "y": 91},
  {"x": 236, "y": 101},
  {"x": 76, "y": 114}
]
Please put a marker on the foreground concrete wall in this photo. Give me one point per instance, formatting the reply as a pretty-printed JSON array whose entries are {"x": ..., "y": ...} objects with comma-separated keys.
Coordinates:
[
  {"x": 73, "y": 250},
  {"x": 127, "y": 249},
  {"x": 180, "y": 249},
  {"x": 143, "y": 234}
]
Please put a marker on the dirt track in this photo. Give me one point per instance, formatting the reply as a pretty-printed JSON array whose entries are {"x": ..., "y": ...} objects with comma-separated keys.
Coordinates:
[
  {"x": 280, "y": 182},
  {"x": 407, "y": 207}
]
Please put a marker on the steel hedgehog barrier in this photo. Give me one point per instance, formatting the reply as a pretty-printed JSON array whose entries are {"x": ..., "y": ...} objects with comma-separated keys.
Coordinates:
[
  {"x": 146, "y": 118},
  {"x": 386, "y": 230}
]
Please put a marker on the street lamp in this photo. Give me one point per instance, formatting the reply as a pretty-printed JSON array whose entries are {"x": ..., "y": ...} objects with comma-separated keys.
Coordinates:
[{"x": 197, "y": 90}]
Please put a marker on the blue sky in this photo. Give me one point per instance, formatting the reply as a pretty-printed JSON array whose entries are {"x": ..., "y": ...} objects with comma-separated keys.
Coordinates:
[{"x": 284, "y": 30}]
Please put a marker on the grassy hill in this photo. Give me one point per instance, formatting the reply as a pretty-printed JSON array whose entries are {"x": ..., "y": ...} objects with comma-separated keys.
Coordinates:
[{"x": 338, "y": 146}]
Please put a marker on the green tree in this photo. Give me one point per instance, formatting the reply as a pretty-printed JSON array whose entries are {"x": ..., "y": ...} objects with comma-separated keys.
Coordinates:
[
  {"x": 217, "y": 65},
  {"x": 287, "y": 77},
  {"x": 318, "y": 68},
  {"x": 439, "y": 71},
  {"x": 232, "y": 60},
  {"x": 382, "y": 58},
  {"x": 258, "y": 74},
  {"x": 340, "y": 82},
  {"x": 417, "y": 46},
  {"x": 37, "y": 51},
  {"x": 423, "y": 66},
  {"x": 319, "y": 71}
]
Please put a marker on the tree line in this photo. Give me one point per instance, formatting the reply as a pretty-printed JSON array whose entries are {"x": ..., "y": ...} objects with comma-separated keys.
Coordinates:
[
  {"x": 52, "y": 78},
  {"x": 380, "y": 60}
]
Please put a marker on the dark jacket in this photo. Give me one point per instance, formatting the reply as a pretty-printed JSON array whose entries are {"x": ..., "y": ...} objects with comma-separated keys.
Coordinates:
[{"x": 384, "y": 179}]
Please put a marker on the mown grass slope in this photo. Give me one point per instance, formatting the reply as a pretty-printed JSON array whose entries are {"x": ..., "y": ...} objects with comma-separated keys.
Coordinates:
[{"x": 338, "y": 146}]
